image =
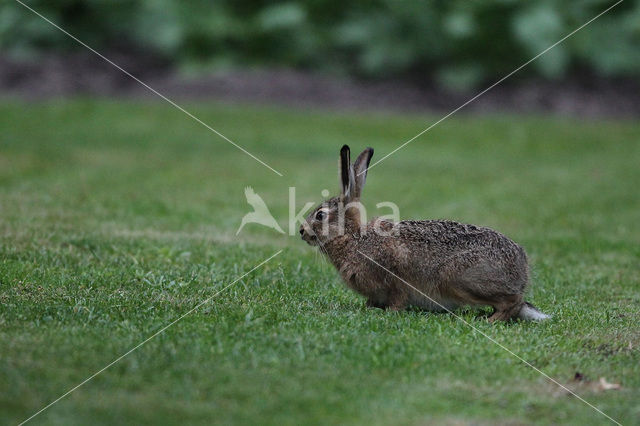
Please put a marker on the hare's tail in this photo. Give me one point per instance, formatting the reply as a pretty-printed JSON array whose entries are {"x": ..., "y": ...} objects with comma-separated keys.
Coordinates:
[{"x": 531, "y": 313}]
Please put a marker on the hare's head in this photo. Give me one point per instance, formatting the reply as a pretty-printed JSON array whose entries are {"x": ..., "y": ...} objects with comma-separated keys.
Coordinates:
[{"x": 341, "y": 214}]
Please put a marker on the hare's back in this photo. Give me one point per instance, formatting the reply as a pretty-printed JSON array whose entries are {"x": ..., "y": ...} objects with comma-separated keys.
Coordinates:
[{"x": 449, "y": 236}]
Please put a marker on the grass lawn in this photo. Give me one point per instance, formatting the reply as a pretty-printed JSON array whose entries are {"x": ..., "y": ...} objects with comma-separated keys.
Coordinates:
[{"x": 118, "y": 217}]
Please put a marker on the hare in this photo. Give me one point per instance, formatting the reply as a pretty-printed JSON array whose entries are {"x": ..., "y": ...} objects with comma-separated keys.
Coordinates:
[{"x": 436, "y": 265}]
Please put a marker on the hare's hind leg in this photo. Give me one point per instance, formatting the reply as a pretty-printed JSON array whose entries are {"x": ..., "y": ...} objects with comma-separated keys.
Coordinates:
[
  {"x": 481, "y": 277},
  {"x": 507, "y": 307}
]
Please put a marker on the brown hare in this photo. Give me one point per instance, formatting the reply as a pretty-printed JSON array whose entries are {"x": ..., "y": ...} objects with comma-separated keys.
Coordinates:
[{"x": 394, "y": 265}]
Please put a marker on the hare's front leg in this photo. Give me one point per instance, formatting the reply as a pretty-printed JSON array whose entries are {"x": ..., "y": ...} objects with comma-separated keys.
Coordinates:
[
  {"x": 373, "y": 303},
  {"x": 394, "y": 302},
  {"x": 398, "y": 300}
]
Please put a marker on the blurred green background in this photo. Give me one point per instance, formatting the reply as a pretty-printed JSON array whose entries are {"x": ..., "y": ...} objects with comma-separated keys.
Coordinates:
[{"x": 457, "y": 44}]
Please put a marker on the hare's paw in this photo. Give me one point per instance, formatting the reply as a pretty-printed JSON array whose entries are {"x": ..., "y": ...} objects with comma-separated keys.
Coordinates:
[
  {"x": 371, "y": 303},
  {"x": 507, "y": 308},
  {"x": 398, "y": 301}
]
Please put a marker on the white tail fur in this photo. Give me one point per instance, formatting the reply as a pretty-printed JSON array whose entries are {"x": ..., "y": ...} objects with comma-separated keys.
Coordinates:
[{"x": 531, "y": 313}]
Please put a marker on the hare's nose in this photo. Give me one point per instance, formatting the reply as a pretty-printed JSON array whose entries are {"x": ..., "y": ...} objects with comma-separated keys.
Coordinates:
[{"x": 301, "y": 230}]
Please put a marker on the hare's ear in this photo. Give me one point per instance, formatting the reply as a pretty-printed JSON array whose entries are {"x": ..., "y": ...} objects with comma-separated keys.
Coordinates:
[
  {"x": 347, "y": 178},
  {"x": 360, "y": 167}
]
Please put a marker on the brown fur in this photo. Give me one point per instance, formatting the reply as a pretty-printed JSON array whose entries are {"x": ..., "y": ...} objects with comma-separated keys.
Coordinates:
[{"x": 452, "y": 263}]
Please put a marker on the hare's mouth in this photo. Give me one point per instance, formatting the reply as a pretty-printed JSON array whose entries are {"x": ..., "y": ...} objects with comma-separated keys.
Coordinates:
[{"x": 310, "y": 239}]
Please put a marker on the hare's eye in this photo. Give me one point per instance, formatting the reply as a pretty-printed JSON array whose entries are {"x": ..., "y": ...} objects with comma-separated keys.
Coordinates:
[{"x": 321, "y": 215}]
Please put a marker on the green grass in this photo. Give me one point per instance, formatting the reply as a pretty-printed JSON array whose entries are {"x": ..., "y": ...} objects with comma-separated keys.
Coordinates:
[{"x": 116, "y": 218}]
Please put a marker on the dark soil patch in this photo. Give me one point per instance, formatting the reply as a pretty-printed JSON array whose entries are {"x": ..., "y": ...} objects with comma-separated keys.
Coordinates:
[{"x": 83, "y": 73}]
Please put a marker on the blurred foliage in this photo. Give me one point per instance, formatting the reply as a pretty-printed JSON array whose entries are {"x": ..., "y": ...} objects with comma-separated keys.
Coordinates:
[{"x": 459, "y": 43}]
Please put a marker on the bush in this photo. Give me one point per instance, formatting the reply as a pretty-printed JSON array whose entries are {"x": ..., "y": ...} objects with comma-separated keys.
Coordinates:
[{"x": 459, "y": 43}]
